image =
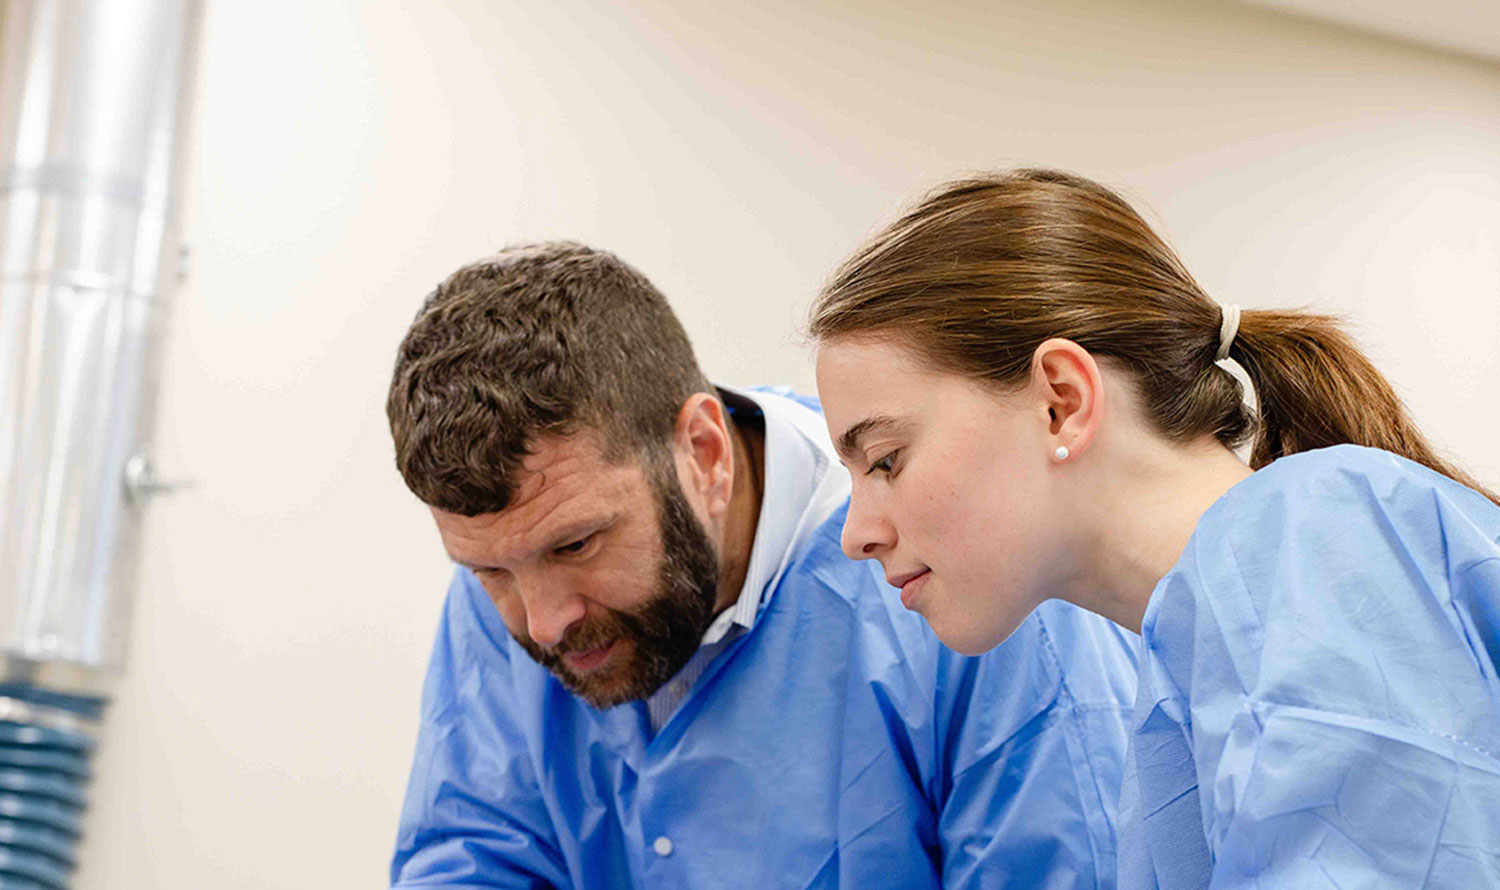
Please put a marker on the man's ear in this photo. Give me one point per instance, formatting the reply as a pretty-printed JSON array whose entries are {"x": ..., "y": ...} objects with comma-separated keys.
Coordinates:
[
  {"x": 704, "y": 451},
  {"x": 1071, "y": 390}
]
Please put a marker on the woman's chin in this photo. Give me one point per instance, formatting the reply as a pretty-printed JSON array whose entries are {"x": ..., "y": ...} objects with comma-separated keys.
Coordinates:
[{"x": 966, "y": 636}]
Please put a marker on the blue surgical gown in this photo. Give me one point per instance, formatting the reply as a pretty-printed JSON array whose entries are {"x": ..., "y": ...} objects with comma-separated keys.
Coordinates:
[
  {"x": 1318, "y": 703},
  {"x": 836, "y": 743}
]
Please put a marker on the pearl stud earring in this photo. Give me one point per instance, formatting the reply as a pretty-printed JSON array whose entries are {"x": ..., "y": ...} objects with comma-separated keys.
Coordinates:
[{"x": 1061, "y": 453}]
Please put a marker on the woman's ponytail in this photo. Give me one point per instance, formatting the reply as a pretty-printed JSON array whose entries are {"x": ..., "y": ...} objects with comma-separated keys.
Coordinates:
[{"x": 1316, "y": 388}]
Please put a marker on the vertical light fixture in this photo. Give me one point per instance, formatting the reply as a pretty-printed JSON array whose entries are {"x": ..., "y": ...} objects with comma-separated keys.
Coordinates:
[{"x": 93, "y": 103}]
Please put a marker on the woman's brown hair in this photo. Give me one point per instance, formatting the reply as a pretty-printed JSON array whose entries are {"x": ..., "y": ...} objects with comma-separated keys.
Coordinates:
[{"x": 985, "y": 270}]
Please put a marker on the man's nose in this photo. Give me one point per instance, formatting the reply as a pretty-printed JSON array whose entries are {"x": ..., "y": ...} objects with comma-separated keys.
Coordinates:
[
  {"x": 549, "y": 614},
  {"x": 867, "y": 533}
]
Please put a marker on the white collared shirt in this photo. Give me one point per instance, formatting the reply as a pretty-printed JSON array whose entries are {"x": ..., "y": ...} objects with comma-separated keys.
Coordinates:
[{"x": 795, "y": 498}]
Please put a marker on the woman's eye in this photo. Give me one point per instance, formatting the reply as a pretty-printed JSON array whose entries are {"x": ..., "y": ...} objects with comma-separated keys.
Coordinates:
[{"x": 883, "y": 465}]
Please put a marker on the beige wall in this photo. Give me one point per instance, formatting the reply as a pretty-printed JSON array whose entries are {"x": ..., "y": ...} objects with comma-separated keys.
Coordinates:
[{"x": 349, "y": 153}]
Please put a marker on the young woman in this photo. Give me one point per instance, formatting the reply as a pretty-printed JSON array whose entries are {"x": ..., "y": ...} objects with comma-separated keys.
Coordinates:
[{"x": 1024, "y": 383}]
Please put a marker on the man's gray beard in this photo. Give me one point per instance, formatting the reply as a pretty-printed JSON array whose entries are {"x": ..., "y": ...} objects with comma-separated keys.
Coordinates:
[{"x": 666, "y": 630}]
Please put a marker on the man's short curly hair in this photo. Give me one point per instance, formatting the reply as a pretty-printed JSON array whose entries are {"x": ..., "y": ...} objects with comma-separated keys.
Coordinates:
[{"x": 537, "y": 340}]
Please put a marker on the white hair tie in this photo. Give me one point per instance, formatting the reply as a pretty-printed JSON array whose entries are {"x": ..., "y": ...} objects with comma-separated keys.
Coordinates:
[{"x": 1228, "y": 327}]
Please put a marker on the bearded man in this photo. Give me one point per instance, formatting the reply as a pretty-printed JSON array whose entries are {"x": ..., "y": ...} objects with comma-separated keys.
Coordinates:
[{"x": 656, "y": 668}]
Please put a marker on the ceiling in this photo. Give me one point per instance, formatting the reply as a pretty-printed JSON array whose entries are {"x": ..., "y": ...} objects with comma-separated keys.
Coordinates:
[{"x": 1471, "y": 27}]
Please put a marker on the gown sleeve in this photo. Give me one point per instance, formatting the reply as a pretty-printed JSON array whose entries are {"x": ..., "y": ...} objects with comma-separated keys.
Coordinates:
[
  {"x": 1332, "y": 632},
  {"x": 474, "y": 814}
]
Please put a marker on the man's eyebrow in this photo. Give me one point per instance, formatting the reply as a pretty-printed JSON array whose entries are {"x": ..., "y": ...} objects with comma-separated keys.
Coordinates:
[
  {"x": 848, "y": 443},
  {"x": 565, "y": 535},
  {"x": 589, "y": 526},
  {"x": 470, "y": 566}
]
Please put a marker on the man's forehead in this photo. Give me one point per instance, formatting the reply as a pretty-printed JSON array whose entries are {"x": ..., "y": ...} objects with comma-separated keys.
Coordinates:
[
  {"x": 557, "y": 461},
  {"x": 565, "y": 486},
  {"x": 563, "y": 481}
]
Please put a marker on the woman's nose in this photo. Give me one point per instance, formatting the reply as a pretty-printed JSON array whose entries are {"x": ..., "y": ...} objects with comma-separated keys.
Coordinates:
[{"x": 867, "y": 534}]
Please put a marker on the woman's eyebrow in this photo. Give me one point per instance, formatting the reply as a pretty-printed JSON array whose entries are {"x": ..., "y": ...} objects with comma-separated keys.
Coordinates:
[{"x": 848, "y": 443}]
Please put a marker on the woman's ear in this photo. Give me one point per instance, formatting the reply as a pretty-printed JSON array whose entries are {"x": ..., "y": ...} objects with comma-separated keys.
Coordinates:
[
  {"x": 704, "y": 451},
  {"x": 1071, "y": 390}
]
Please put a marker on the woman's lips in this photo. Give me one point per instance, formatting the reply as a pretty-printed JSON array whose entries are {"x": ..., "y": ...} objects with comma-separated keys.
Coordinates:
[
  {"x": 911, "y": 586},
  {"x": 590, "y": 659}
]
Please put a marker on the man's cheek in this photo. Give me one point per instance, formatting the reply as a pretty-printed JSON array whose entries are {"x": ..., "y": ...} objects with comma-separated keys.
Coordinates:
[{"x": 513, "y": 617}]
